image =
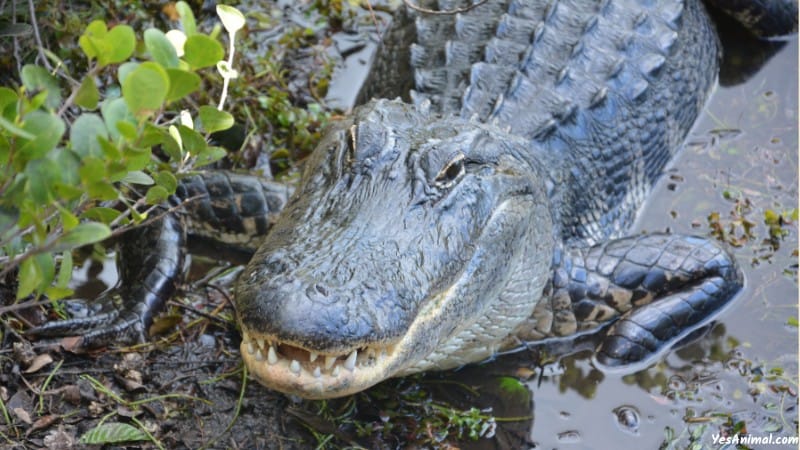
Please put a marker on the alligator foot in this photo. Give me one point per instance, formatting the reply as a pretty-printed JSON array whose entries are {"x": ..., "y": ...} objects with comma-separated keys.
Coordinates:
[
  {"x": 223, "y": 206},
  {"x": 112, "y": 325},
  {"x": 656, "y": 289},
  {"x": 151, "y": 265}
]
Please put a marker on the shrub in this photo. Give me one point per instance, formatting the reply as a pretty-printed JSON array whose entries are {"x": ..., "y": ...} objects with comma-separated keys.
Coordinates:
[{"x": 76, "y": 170}]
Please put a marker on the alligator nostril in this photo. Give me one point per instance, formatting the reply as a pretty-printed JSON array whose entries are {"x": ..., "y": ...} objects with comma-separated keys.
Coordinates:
[{"x": 321, "y": 289}]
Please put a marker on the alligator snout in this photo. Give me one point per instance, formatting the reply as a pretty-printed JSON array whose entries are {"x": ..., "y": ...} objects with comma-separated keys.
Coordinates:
[{"x": 318, "y": 314}]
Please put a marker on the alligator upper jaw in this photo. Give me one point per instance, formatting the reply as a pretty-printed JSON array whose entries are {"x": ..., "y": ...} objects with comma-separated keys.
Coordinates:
[{"x": 294, "y": 370}]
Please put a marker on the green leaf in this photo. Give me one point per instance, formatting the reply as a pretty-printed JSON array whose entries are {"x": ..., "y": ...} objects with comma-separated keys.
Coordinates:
[
  {"x": 40, "y": 175},
  {"x": 92, "y": 37},
  {"x": 127, "y": 130},
  {"x": 210, "y": 155},
  {"x": 84, "y": 234},
  {"x": 231, "y": 18},
  {"x": 202, "y": 51},
  {"x": 171, "y": 147},
  {"x": 15, "y": 130},
  {"x": 67, "y": 191},
  {"x": 111, "y": 152},
  {"x": 102, "y": 190},
  {"x": 115, "y": 111},
  {"x": 112, "y": 433},
  {"x": 125, "y": 69},
  {"x": 8, "y": 103},
  {"x": 122, "y": 42},
  {"x": 37, "y": 78},
  {"x": 37, "y": 101},
  {"x": 771, "y": 217},
  {"x": 57, "y": 292},
  {"x": 156, "y": 195},
  {"x": 161, "y": 49},
  {"x": 513, "y": 388},
  {"x": 67, "y": 218},
  {"x": 68, "y": 163},
  {"x": 792, "y": 321},
  {"x": 28, "y": 278},
  {"x": 181, "y": 84},
  {"x": 138, "y": 177},
  {"x": 145, "y": 89},
  {"x": 64, "y": 270},
  {"x": 187, "y": 18},
  {"x": 87, "y": 95},
  {"x": 167, "y": 180},
  {"x": 46, "y": 267},
  {"x": 35, "y": 273},
  {"x": 101, "y": 214},
  {"x": 92, "y": 169},
  {"x": 85, "y": 131},
  {"x": 109, "y": 47},
  {"x": 47, "y": 129},
  {"x": 137, "y": 159},
  {"x": 193, "y": 142},
  {"x": 215, "y": 120}
]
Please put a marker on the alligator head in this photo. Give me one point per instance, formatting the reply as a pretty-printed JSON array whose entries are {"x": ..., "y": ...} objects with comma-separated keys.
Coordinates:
[{"x": 412, "y": 243}]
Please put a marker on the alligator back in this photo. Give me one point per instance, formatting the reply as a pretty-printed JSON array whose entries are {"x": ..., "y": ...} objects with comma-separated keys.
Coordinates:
[{"x": 605, "y": 90}]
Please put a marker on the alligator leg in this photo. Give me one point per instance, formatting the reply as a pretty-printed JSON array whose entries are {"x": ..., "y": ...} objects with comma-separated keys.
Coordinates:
[
  {"x": 224, "y": 206},
  {"x": 655, "y": 288},
  {"x": 151, "y": 265}
]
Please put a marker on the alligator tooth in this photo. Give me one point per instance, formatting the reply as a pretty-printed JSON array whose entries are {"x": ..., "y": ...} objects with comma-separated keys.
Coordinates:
[
  {"x": 371, "y": 353},
  {"x": 335, "y": 372},
  {"x": 312, "y": 356},
  {"x": 272, "y": 357},
  {"x": 259, "y": 355},
  {"x": 250, "y": 347},
  {"x": 329, "y": 361},
  {"x": 260, "y": 343},
  {"x": 350, "y": 363},
  {"x": 295, "y": 367},
  {"x": 317, "y": 372}
]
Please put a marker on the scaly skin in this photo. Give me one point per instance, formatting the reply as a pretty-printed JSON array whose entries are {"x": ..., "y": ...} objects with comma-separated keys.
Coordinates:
[
  {"x": 424, "y": 236},
  {"x": 489, "y": 212}
]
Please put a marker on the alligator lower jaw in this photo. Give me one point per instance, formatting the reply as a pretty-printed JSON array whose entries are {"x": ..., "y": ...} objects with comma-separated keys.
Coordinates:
[{"x": 294, "y": 370}]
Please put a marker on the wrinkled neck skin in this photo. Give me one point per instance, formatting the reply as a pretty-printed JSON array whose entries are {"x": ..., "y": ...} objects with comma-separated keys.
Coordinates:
[{"x": 413, "y": 243}]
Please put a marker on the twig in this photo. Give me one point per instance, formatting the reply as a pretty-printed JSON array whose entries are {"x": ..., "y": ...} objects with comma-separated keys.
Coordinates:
[
  {"x": 68, "y": 102},
  {"x": 24, "y": 305},
  {"x": 17, "y": 56},
  {"x": 374, "y": 20},
  {"x": 39, "y": 45},
  {"x": 443, "y": 13}
]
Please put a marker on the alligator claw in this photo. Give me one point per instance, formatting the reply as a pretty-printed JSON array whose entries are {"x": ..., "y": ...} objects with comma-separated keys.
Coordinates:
[
  {"x": 109, "y": 325},
  {"x": 654, "y": 289}
]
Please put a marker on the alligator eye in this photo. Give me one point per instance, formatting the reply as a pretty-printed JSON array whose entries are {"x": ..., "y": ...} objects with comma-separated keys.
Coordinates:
[{"x": 451, "y": 173}]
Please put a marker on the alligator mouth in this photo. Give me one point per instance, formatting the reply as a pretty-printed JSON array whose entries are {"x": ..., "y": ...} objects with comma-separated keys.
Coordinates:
[{"x": 292, "y": 369}]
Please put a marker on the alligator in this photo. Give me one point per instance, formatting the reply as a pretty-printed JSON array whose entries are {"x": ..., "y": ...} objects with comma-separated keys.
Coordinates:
[{"x": 489, "y": 210}]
